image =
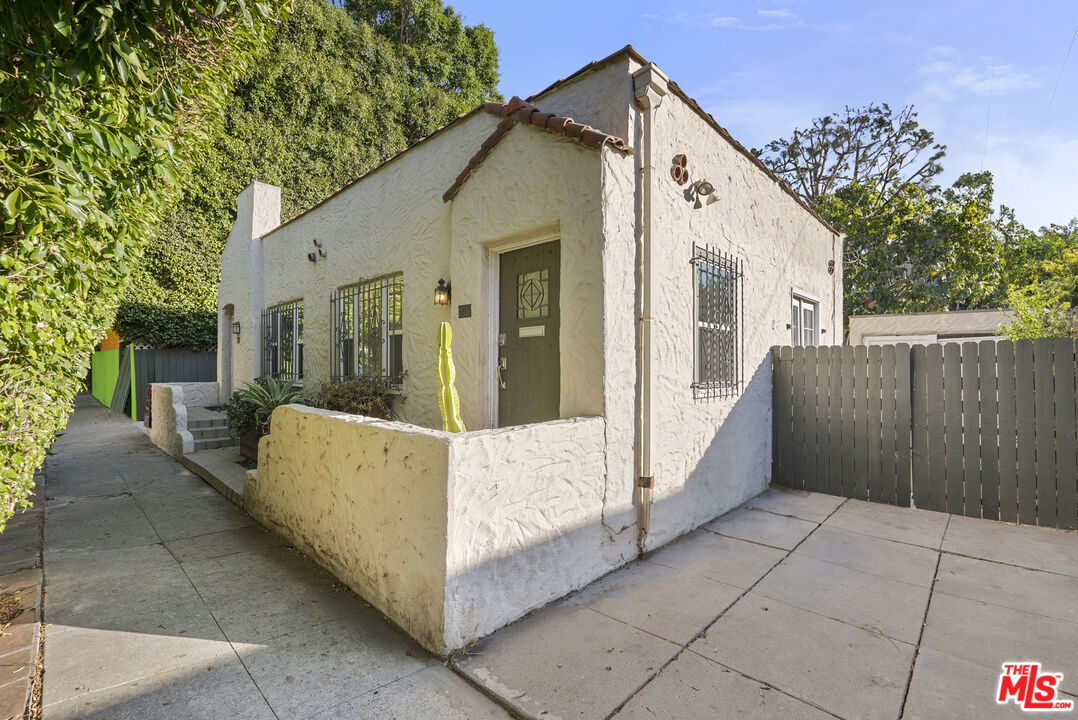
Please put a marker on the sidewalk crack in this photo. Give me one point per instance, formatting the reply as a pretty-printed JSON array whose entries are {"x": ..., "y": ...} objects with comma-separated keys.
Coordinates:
[{"x": 924, "y": 622}]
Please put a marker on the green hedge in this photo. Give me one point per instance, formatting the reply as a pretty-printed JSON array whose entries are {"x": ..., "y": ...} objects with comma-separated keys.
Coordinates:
[
  {"x": 102, "y": 105},
  {"x": 167, "y": 327}
]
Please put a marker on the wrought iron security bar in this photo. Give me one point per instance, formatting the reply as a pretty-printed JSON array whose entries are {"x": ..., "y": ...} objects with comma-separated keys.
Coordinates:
[
  {"x": 367, "y": 329},
  {"x": 718, "y": 311},
  {"x": 282, "y": 341}
]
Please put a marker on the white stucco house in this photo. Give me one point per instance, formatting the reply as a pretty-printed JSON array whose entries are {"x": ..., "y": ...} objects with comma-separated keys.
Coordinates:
[{"x": 618, "y": 268}]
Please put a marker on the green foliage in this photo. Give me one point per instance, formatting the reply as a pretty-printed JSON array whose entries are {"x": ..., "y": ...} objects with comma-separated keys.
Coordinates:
[
  {"x": 335, "y": 95},
  {"x": 1041, "y": 310},
  {"x": 370, "y": 395},
  {"x": 911, "y": 245},
  {"x": 250, "y": 408},
  {"x": 162, "y": 326},
  {"x": 921, "y": 249},
  {"x": 1041, "y": 270},
  {"x": 101, "y": 104},
  {"x": 870, "y": 146}
]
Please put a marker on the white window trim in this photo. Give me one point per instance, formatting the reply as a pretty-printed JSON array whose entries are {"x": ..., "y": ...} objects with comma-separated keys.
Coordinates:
[{"x": 803, "y": 297}]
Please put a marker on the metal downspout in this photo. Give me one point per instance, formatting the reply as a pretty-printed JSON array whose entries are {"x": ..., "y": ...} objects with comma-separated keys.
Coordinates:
[{"x": 649, "y": 87}]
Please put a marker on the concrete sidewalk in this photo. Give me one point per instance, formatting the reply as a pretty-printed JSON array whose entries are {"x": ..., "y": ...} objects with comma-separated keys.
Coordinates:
[
  {"x": 801, "y": 605},
  {"x": 164, "y": 600}
]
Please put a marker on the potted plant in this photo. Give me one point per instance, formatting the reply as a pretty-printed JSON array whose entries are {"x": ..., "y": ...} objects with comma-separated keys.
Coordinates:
[
  {"x": 370, "y": 395},
  {"x": 249, "y": 410}
]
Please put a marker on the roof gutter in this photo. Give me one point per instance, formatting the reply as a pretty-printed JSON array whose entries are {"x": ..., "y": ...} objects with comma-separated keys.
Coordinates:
[{"x": 649, "y": 87}]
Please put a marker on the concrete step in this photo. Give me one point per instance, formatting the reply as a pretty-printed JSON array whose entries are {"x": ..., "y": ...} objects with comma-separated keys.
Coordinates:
[
  {"x": 211, "y": 433},
  {"x": 193, "y": 423},
  {"x": 209, "y": 444}
]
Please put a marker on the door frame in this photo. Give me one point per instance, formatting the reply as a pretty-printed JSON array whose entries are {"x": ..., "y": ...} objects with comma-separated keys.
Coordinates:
[{"x": 494, "y": 268}]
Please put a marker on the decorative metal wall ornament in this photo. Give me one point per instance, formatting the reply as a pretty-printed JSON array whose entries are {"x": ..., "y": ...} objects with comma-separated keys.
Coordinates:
[{"x": 680, "y": 169}]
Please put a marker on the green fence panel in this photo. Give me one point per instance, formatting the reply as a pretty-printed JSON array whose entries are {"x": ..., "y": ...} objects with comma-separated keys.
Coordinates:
[{"x": 104, "y": 369}]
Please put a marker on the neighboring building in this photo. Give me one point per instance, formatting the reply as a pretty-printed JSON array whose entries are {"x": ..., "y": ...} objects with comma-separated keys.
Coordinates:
[
  {"x": 927, "y": 327},
  {"x": 633, "y": 263}
]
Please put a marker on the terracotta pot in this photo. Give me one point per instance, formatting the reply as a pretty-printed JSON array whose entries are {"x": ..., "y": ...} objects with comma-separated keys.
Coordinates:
[
  {"x": 379, "y": 409},
  {"x": 249, "y": 445}
]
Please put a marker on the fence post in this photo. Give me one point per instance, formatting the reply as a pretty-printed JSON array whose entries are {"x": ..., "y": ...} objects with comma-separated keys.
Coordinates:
[
  {"x": 1044, "y": 412},
  {"x": 903, "y": 425},
  {"x": 989, "y": 456},
  {"x": 1066, "y": 464}
]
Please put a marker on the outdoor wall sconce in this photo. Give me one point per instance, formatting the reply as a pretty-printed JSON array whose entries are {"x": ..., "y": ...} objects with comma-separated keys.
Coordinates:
[
  {"x": 830, "y": 267},
  {"x": 236, "y": 331},
  {"x": 442, "y": 293},
  {"x": 704, "y": 189}
]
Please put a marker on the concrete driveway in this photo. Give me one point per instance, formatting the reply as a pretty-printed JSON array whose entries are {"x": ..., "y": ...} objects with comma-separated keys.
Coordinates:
[{"x": 801, "y": 605}]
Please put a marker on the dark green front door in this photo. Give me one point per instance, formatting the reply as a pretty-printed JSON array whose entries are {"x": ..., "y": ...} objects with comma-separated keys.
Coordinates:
[{"x": 529, "y": 364}]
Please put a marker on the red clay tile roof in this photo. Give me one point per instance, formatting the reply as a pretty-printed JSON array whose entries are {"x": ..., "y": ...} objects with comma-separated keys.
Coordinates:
[{"x": 517, "y": 110}]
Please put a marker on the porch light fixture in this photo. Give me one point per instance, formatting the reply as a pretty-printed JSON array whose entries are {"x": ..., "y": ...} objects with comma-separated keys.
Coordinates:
[
  {"x": 705, "y": 193},
  {"x": 442, "y": 293},
  {"x": 236, "y": 330}
]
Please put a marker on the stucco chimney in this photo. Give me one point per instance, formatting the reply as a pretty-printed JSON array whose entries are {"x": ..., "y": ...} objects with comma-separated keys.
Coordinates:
[
  {"x": 258, "y": 211},
  {"x": 258, "y": 208}
]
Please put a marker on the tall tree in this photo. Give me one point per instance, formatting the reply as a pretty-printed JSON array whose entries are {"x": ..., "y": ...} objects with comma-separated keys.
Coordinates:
[
  {"x": 910, "y": 244},
  {"x": 338, "y": 91},
  {"x": 101, "y": 104},
  {"x": 869, "y": 146},
  {"x": 929, "y": 250}
]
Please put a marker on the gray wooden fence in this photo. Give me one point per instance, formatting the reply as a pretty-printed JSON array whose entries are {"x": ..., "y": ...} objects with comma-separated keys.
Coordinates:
[
  {"x": 980, "y": 429},
  {"x": 138, "y": 368}
]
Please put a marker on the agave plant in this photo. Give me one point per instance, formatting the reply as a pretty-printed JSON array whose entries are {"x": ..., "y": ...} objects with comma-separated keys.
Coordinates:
[{"x": 250, "y": 409}]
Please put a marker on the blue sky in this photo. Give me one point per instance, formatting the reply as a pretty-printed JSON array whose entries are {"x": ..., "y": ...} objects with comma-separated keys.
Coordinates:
[{"x": 980, "y": 74}]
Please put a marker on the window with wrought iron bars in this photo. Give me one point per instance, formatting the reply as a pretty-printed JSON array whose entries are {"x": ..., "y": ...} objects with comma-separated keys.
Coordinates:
[
  {"x": 367, "y": 329},
  {"x": 282, "y": 341},
  {"x": 717, "y": 337}
]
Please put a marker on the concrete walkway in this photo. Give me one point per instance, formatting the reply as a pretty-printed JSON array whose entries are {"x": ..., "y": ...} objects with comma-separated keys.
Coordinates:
[
  {"x": 801, "y": 605},
  {"x": 164, "y": 600}
]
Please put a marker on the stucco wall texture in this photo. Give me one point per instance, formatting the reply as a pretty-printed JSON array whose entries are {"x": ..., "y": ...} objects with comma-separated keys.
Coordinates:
[
  {"x": 169, "y": 402},
  {"x": 450, "y": 536},
  {"x": 527, "y": 514}
]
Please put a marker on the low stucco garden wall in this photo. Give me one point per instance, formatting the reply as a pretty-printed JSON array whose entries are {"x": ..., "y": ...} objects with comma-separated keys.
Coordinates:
[
  {"x": 525, "y": 522},
  {"x": 168, "y": 423},
  {"x": 450, "y": 536},
  {"x": 366, "y": 498}
]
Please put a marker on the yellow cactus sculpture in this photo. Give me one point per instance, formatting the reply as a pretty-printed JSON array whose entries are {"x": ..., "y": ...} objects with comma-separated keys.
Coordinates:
[{"x": 448, "y": 401}]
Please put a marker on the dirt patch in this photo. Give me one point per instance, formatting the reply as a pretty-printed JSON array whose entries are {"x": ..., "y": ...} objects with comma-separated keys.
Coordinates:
[{"x": 10, "y": 608}]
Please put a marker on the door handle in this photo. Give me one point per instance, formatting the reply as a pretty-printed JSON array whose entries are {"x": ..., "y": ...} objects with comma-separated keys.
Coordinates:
[{"x": 502, "y": 365}]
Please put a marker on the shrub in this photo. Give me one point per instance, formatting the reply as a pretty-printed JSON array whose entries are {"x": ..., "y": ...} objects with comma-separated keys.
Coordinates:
[
  {"x": 95, "y": 97},
  {"x": 370, "y": 395},
  {"x": 161, "y": 326},
  {"x": 250, "y": 409}
]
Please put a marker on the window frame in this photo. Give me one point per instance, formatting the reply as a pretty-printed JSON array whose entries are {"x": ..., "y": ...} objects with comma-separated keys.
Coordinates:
[
  {"x": 800, "y": 300},
  {"x": 274, "y": 363},
  {"x": 351, "y": 322},
  {"x": 717, "y": 364}
]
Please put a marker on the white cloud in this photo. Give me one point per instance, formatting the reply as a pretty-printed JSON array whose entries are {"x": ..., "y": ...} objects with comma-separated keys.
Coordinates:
[
  {"x": 945, "y": 74},
  {"x": 780, "y": 13},
  {"x": 711, "y": 19},
  {"x": 1034, "y": 175}
]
